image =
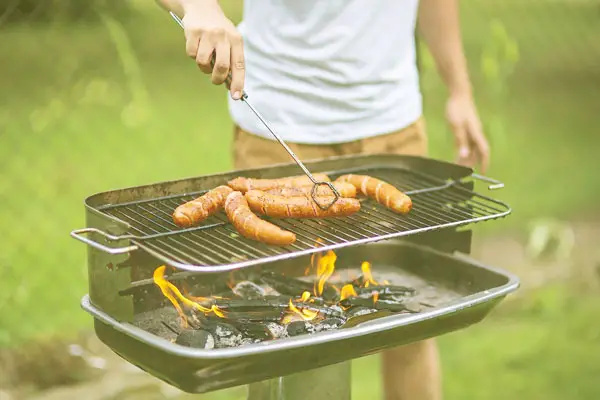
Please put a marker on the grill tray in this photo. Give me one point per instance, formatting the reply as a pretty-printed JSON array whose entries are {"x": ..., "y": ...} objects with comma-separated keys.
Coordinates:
[
  {"x": 480, "y": 288},
  {"x": 141, "y": 217}
]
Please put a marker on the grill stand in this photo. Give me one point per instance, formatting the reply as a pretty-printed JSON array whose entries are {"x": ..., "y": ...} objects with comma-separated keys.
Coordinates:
[{"x": 331, "y": 382}]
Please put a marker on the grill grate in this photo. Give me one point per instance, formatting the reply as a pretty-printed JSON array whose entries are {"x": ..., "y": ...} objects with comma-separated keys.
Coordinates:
[{"x": 216, "y": 245}]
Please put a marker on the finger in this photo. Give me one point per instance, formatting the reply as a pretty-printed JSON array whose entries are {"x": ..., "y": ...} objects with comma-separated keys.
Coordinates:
[
  {"x": 480, "y": 144},
  {"x": 204, "y": 54},
  {"x": 222, "y": 62},
  {"x": 191, "y": 44},
  {"x": 238, "y": 68},
  {"x": 462, "y": 142}
]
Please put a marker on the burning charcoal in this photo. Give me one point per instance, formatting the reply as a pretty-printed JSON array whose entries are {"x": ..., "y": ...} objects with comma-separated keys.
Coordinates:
[
  {"x": 299, "y": 327},
  {"x": 332, "y": 311},
  {"x": 276, "y": 330},
  {"x": 226, "y": 335},
  {"x": 280, "y": 302},
  {"x": 378, "y": 305},
  {"x": 265, "y": 315},
  {"x": 198, "y": 339},
  {"x": 254, "y": 331},
  {"x": 357, "y": 311},
  {"x": 154, "y": 322},
  {"x": 384, "y": 291},
  {"x": 295, "y": 287},
  {"x": 329, "y": 324},
  {"x": 354, "y": 321},
  {"x": 248, "y": 290}
]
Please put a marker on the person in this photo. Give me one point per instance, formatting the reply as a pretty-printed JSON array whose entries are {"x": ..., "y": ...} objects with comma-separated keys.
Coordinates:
[{"x": 339, "y": 77}]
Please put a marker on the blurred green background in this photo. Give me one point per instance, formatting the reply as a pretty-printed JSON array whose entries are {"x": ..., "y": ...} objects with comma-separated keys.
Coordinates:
[{"x": 99, "y": 95}]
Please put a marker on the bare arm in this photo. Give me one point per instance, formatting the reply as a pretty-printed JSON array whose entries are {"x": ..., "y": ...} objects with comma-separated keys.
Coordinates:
[
  {"x": 208, "y": 31},
  {"x": 440, "y": 28}
]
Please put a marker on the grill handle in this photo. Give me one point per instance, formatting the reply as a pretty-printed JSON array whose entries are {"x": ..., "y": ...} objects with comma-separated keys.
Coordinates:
[
  {"x": 77, "y": 234},
  {"x": 495, "y": 184}
]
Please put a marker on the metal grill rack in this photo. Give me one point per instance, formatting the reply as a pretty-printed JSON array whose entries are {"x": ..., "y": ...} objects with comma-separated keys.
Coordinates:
[{"x": 216, "y": 246}]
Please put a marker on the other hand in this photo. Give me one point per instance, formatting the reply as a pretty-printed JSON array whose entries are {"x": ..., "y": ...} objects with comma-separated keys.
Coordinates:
[
  {"x": 208, "y": 31},
  {"x": 472, "y": 146}
]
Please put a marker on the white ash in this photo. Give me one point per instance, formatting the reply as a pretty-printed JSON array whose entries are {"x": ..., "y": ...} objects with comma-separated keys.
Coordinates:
[
  {"x": 243, "y": 288},
  {"x": 230, "y": 341},
  {"x": 337, "y": 308},
  {"x": 276, "y": 330},
  {"x": 363, "y": 312},
  {"x": 210, "y": 342}
]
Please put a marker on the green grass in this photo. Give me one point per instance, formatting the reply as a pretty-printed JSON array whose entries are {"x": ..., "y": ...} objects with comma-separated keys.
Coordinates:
[{"x": 90, "y": 108}]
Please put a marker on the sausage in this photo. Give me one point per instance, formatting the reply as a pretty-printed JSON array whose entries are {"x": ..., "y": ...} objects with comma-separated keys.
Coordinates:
[
  {"x": 381, "y": 191},
  {"x": 197, "y": 210},
  {"x": 277, "y": 206},
  {"x": 243, "y": 185},
  {"x": 344, "y": 189},
  {"x": 251, "y": 226}
]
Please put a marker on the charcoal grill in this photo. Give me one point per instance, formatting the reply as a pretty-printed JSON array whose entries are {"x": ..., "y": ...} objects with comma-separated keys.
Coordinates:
[{"x": 130, "y": 233}]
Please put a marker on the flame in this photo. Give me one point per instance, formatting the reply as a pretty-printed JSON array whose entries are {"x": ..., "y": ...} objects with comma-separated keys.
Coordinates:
[
  {"x": 304, "y": 313},
  {"x": 172, "y": 293},
  {"x": 325, "y": 269},
  {"x": 347, "y": 291},
  {"x": 375, "y": 297},
  {"x": 367, "y": 276}
]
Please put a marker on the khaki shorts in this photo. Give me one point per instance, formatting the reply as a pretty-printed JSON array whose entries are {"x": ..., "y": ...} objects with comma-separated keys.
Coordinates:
[{"x": 251, "y": 151}]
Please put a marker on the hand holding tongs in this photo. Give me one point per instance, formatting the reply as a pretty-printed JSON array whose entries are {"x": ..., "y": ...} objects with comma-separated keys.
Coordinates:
[{"x": 244, "y": 98}]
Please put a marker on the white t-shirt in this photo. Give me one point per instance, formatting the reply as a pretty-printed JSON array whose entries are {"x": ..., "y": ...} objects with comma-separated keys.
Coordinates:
[{"x": 329, "y": 71}]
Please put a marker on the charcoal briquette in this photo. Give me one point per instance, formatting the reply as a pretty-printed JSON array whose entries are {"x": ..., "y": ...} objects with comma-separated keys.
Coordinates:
[
  {"x": 299, "y": 327},
  {"x": 384, "y": 291},
  {"x": 276, "y": 330},
  {"x": 198, "y": 339},
  {"x": 248, "y": 290},
  {"x": 329, "y": 324},
  {"x": 255, "y": 331},
  {"x": 358, "y": 311}
]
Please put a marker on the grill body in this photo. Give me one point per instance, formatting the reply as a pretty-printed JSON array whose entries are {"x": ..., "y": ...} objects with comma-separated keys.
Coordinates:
[
  {"x": 130, "y": 235},
  {"x": 199, "y": 371}
]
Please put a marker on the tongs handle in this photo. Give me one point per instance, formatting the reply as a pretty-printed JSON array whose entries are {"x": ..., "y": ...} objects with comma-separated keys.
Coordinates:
[{"x": 244, "y": 98}]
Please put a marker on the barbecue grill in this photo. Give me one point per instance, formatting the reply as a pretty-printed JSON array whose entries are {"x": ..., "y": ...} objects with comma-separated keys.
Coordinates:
[{"x": 130, "y": 234}]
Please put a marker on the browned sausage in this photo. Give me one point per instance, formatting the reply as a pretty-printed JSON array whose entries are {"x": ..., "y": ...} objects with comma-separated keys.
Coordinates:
[
  {"x": 381, "y": 191},
  {"x": 199, "y": 209},
  {"x": 276, "y": 206},
  {"x": 251, "y": 226},
  {"x": 344, "y": 189},
  {"x": 243, "y": 185}
]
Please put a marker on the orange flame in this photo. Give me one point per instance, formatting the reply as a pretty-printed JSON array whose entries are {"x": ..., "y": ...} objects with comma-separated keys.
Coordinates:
[
  {"x": 347, "y": 291},
  {"x": 304, "y": 313},
  {"x": 367, "y": 276},
  {"x": 375, "y": 297},
  {"x": 172, "y": 293},
  {"x": 325, "y": 269}
]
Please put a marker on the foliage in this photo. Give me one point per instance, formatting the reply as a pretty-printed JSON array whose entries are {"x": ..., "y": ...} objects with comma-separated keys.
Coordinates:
[{"x": 58, "y": 10}]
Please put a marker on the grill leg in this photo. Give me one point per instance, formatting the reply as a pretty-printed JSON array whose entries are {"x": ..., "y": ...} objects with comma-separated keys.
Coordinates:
[{"x": 331, "y": 382}]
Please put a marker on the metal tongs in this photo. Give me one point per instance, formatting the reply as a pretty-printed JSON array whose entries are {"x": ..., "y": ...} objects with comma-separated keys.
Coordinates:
[{"x": 244, "y": 98}]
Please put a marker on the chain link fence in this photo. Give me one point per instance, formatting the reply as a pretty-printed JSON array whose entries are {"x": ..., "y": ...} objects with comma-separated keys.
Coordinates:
[{"x": 97, "y": 95}]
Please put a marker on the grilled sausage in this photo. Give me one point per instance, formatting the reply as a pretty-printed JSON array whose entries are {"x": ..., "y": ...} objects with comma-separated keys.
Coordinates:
[
  {"x": 381, "y": 191},
  {"x": 276, "y": 206},
  {"x": 243, "y": 185},
  {"x": 344, "y": 189},
  {"x": 197, "y": 210},
  {"x": 251, "y": 226}
]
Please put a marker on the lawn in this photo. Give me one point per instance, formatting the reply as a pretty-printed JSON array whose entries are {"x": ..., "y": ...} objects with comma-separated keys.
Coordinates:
[{"x": 86, "y": 108}]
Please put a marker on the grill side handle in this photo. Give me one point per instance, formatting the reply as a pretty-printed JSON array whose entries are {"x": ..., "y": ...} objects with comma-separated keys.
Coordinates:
[
  {"x": 78, "y": 234},
  {"x": 495, "y": 184}
]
